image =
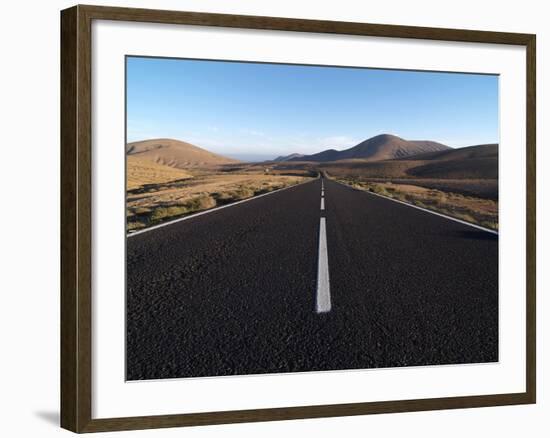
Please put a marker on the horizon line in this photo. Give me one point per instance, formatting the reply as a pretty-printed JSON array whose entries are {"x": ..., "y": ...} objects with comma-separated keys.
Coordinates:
[{"x": 285, "y": 154}]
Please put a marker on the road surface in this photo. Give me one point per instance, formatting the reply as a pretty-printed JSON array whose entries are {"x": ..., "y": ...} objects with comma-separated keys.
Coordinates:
[{"x": 290, "y": 283}]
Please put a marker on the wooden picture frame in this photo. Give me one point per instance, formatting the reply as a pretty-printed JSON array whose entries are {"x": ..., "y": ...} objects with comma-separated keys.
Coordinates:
[{"x": 76, "y": 217}]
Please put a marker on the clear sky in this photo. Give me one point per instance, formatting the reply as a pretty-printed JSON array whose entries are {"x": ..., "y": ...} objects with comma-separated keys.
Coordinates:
[{"x": 258, "y": 111}]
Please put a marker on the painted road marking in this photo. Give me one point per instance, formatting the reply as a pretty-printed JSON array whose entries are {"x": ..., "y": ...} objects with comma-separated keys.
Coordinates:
[
  {"x": 322, "y": 203},
  {"x": 323, "y": 282},
  {"x": 164, "y": 224}
]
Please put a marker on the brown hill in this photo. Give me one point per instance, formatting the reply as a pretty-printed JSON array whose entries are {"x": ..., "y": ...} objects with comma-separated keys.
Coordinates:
[
  {"x": 467, "y": 153},
  {"x": 381, "y": 147},
  {"x": 175, "y": 153},
  {"x": 474, "y": 162},
  {"x": 470, "y": 162},
  {"x": 141, "y": 171},
  {"x": 288, "y": 157}
]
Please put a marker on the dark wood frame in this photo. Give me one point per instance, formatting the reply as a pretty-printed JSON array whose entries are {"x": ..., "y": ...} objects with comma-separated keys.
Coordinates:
[{"x": 76, "y": 173}]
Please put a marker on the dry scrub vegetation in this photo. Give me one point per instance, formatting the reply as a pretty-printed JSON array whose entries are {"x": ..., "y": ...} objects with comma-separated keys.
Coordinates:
[
  {"x": 150, "y": 204},
  {"x": 471, "y": 209},
  {"x": 140, "y": 172}
]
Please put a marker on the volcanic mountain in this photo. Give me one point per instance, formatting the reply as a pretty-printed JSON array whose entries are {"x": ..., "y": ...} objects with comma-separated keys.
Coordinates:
[
  {"x": 175, "y": 153},
  {"x": 380, "y": 147},
  {"x": 288, "y": 157},
  {"x": 471, "y": 170}
]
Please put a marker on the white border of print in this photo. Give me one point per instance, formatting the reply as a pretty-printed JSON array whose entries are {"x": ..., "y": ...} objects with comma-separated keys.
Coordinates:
[{"x": 113, "y": 397}]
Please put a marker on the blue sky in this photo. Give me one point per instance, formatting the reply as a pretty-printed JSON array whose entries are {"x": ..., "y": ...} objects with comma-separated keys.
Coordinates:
[{"x": 258, "y": 111}]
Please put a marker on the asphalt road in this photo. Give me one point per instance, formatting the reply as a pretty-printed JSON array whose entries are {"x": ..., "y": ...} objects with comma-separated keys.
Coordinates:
[{"x": 237, "y": 291}]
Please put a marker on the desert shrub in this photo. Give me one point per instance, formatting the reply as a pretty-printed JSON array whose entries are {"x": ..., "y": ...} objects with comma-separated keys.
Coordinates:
[
  {"x": 243, "y": 193},
  {"x": 222, "y": 197},
  {"x": 464, "y": 216},
  {"x": 420, "y": 204},
  {"x": 200, "y": 203},
  {"x": 141, "y": 210},
  {"x": 134, "y": 225},
  {"x": 195, "y": 204},
  {"x": 236, "y": 194},
  {"x": 380, "y": 190},
  {"x": 225, "y": 197},
  {"x": 402, "y": 197},
  {"x": 164, "y": 212},
  {"x": 490, "y": 224}
]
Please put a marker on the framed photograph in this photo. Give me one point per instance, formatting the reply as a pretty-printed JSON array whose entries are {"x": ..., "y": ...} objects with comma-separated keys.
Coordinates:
[{"x": 271, "y": 218}]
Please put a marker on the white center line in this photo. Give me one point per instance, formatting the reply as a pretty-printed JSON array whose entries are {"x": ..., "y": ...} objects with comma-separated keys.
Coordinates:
[
  {"x": 322, "y": 203},
  {"x": 323, "y": 282}
]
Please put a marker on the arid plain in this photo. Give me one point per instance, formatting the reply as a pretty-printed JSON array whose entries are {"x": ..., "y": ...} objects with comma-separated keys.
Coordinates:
[{"x": 168, "y": 179}]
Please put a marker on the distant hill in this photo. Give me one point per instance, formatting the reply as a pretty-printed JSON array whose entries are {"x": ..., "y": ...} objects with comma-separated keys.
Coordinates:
[
  {"x": 288, "y": 157},
  {"x": 479, "y": 151},
  {"x": 380, "y": 147},
  {"x": 175, "y": 153},
  {"x": 470, "y": 162},
  {"x": 141, "y": 171},
  {"x": 473, "y": 162}
]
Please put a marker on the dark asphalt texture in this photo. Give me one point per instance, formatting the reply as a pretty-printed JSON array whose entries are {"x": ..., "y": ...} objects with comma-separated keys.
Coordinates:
[{"x": 232, "y": 292}]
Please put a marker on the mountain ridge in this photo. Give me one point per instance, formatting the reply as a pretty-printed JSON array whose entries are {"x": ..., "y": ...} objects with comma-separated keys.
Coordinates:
[
  {"x": 288, "y": 157},
  {"x": 377, "y": 148}
]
